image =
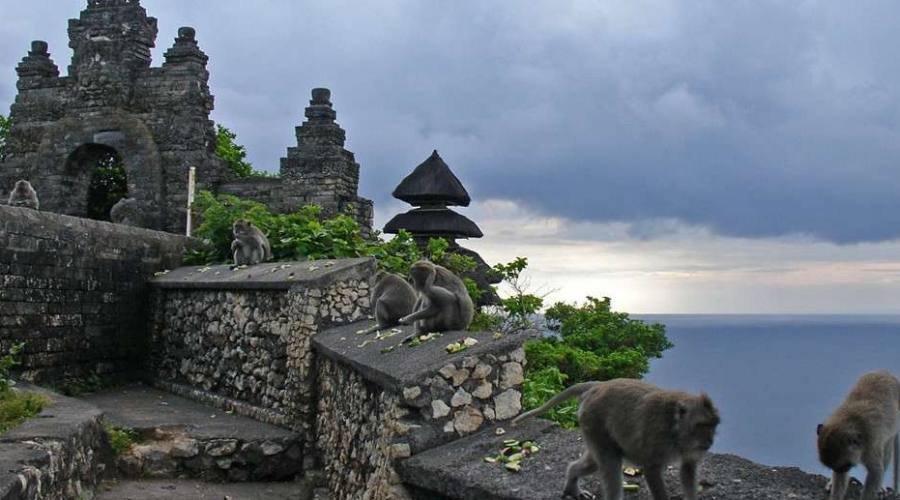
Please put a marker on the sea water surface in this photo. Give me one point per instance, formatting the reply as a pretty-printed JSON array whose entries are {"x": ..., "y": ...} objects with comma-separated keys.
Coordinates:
[{"x": 774, "y": 378}]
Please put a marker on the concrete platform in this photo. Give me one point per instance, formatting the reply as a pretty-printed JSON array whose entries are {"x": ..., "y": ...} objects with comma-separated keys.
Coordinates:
[
  {"x": 144, "y": 408},
  {"x": 265, "y": 276},
  {"x": 405, "y": 365},
  {"x": 180, "y": 438},
  {"x": 457, "y": 470},
  {"x": 198, "y": 490}
]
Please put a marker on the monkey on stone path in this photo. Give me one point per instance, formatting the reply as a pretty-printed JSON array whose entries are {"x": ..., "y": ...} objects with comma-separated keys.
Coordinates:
[
  {"x": 863, "y": 430},
  {"x": 442, "y": 303},
  {"x": 250, "y": 245},
  {"x": 393, "y": 298},
  {"x": 23, "y": 195},
  {"x": 625, "y": 419}
]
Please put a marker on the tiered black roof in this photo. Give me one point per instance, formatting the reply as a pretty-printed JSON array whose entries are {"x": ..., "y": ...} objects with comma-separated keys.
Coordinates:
[
  {"x": 432, "y": 183},
  {"x": 432, "y": 186}
]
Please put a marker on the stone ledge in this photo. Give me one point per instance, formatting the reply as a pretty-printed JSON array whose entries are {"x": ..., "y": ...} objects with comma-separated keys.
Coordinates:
[
  {"x": 406, "y": 366},
  {"x": 457, "y": 470},
  {"x": 57, "y": 454},
  {"x": 267, "y": 276}
]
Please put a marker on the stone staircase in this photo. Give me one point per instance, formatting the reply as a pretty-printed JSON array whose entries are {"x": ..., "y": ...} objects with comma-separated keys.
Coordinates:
[{"x": 184, "y": 449}]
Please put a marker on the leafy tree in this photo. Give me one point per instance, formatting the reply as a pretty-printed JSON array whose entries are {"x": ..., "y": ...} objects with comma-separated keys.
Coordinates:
[
  {"x": 5, "y": 124},
  {"x": 108, "y": 185},
  {"x": 234, "y": 154},
  {"x": 588, "y": 342}
]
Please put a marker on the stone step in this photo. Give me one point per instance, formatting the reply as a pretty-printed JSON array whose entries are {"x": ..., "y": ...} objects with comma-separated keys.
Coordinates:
[
  {"x": 185, "y": 489},
  {"x": 180, "y": 438}
]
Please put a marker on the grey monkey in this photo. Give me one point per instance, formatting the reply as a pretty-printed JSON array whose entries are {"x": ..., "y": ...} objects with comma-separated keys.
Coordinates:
[
  {"x": 442, "y": 303},
  {"x": 863, "y": 430},
  {"x": 250, "y": 245},
  {"x": 23, "y": 195},
  {"x": 393, "y": 297},
  {"x": 127, "y": 211},
  {"x": 625, "y": 419}
]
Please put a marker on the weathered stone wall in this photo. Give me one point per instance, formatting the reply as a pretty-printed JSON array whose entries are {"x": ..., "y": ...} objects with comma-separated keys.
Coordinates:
[
  {"x": 157, "y": 121},
  {"x": 74, "y": 291},
  {"x": 243, "y": 342},
  {"x": 377, "y": 407},
  {"x": 57, "y": 456}
]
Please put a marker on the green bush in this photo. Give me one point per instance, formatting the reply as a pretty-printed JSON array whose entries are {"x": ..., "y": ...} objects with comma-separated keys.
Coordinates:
[
  {"x": 591, "y": 342},
  {"x": 15, "y": 406},
  {"x": 120, "y": 438},
  {"x": 306, "y": 235},
  {"x": 5, "y": 124}
]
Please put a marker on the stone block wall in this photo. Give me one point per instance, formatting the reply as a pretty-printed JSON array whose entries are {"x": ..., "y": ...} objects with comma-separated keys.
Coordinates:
[
  {"x": 74, "y": 291},
  {"x": 240, "y": 339},
  {"x": 376, "y": 407}
]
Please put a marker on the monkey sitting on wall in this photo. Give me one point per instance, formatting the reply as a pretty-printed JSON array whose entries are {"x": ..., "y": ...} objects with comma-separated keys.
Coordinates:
[
  {"x": 23, "y": 195},
  {"x": 863, "y": 430},
  {"x": 442, "y": 303},
  {"x": 625, "y": 419},
  {"x": 250, "y": 245},
  {"x": 127, "y": 211},
  {"x": 393, "y": 297}
]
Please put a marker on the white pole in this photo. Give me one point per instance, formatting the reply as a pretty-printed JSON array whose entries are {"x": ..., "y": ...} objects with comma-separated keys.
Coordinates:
[{"x": 192, "y": 176}]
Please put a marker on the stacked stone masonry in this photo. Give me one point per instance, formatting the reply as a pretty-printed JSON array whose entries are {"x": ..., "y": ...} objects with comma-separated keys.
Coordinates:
[
  {"x": 370, "y": 417},
  {"x": 60, "y": 455},
  {"x": 247, "y": 348},
  {"x": 156, "y": 120},
  {"x": 75, "y": 291}
]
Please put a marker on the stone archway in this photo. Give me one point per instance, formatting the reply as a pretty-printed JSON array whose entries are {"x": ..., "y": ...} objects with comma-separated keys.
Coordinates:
[
  {"x": 67, "y": 160},
  {"x": 101, "y": 168}
]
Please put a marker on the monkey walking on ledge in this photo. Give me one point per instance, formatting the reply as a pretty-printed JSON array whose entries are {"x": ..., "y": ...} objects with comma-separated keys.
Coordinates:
[
  {"x": 625, "y": 419},
  {"x": 23, "y": 195},
  {"x": 863, "y": 429}
]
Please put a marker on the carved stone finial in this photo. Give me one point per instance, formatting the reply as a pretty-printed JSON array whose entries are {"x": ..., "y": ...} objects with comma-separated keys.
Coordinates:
[
  {"x": 187, "y": 33},
  {"x": 321, "y": 96},
  {"x": 39, "y": 48}
]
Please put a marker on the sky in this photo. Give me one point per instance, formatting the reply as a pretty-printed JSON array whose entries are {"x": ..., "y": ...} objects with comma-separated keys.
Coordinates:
[{"x": 677, "y": 156}]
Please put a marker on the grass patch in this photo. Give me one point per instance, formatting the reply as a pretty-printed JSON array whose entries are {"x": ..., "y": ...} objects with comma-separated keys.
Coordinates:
[
  {"x": 17, "y": 407},
  {"x": 120, "y": 438},
  {"x": 79, "y": 386}
]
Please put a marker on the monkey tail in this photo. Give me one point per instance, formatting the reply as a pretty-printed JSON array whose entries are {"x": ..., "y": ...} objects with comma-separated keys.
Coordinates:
[{"x": 570, "y": 392}]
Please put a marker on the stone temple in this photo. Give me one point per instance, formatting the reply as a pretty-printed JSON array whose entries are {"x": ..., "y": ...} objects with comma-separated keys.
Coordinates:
[{"x": 155, "y": 121}]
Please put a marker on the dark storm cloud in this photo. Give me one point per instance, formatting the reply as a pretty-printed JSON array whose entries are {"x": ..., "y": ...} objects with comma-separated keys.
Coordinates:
[{"x": 752, "y": 118}]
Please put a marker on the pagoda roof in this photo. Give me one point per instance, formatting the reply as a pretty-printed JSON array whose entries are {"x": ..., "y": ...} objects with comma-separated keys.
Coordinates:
[
  {"x": 434, "y": 222},
  {"x": 432, "y": 182}
]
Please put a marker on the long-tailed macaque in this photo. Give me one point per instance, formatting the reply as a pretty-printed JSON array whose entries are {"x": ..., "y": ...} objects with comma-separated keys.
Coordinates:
[
  {"x": 625, "y": 419},
  {"x": 23, "y": 195},
  {"x": 863, "y": 430},
  {"x": 127, "y": 211},
  {"x": 442, "y": 303},
  {"x": 393, "y": 298},
  {"x": 250, "y": 245}
]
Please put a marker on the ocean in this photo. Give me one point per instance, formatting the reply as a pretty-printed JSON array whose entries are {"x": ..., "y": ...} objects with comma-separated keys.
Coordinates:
[{"x": 774, "y": 377}]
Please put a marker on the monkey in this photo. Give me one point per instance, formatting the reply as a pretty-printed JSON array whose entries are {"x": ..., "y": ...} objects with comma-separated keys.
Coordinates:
[
  {"x": 630, "y": 420},
  {"x": 442, "y": 302},
  {"x": 127, "y": 211},
  {"x": 393, "y": 297},
  {"x": 863, "y": 429},
  {"x": 250, "y": 245},
  {"x": 23, "y": 195}
]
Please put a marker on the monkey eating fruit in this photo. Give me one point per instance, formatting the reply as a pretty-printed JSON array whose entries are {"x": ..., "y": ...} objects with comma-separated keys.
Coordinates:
[
  {"x": 250, "y": 245},
  {"x": 23, "y": 195},
  {"x": 393, "y": 297}
]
